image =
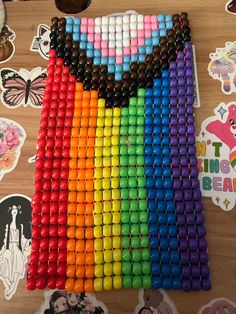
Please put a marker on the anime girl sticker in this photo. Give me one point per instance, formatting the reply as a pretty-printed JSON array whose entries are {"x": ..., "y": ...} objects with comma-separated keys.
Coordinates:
[
  {"x": 220, "y": 305},
  {"x": 61, "y": 302},
  {"x": 15, "y": 235},
  {"x": 152, "y": 301},
  {"x": 12, "y": 137},
  {"x": 216, "y": 152}
]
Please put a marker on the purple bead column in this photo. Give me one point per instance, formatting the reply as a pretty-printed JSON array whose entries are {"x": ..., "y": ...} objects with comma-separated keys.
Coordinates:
[{"x": 190, "y": 218}]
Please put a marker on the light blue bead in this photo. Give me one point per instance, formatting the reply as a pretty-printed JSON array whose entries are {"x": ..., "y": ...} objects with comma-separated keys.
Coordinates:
[
  {"x": 111, "y": 68},
  {"x": 162, "y": 25},
  {"x": 126, "y": 67},
  {"x": 82, "y": 45},
  {"x": 165, "y": 73},
  {"x": 155, "y": 33},
  {"x": 134, "y": 58},
  {"x": 77, "y": 20},
  {"x": 97, "y": 53},
  {"x": 118, "y": 76},
  {"x": 97, "y": 61},
  {"x": 90, "y": 53},
  {"x": 168, "y": 17},
  {"x": 83, "y": 37},
  {"x": 160, "y": 18},
  {"x": 69, "y": 28},
  {"x": 111, "y": 60},
  {"x": 149, "y": 92},
  {"x": 119, "y": 67},
  {"x": 89, "y": 45},
  {"x": 157, "y": 92},
  {"x": 162, "y": 32},
  {"x": 157, "y": 83},
  {"x": 69, "y": 20},
  {"x": 127, "y": 59},
  {"x": 148, "y": 41},
  {"x": 155, "y": 41},
  {"x": 141, "y": 50},
  {"x": 104, "y": 60},
  {"x": 169, "y": 24},
  {"x": 76, "y": 36},
  {"x": 76, "y": 29},
  {"x": 148, "y": 50}
]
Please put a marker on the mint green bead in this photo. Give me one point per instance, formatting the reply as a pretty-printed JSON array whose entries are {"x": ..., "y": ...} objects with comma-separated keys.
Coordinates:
[
  {"x": 137, "y": 269},
  {"x": 140, "y": 120},
  {"x": 132, "y": 120},
  {"x": 139, "y": 130},
  {"x": 140, "y": 140},
  {"x": 132, "y": 160},
  {"x": 124, "y": 206},
  {"x": 132, "y": 172},
  {"x": 125, "y": 217},
  {"x": 139, "y": 150},
  {"x": 142, "y": 193},
  {"x": 126, "y": 255},
  {"x": 132, "y": 182},
  {"x": 132, "y": 150},
  {"x": 135, "y": 242},
  {"x": 124, "y": 121},
  {"x": 131, "y": 140},
  {"x": 125, "y": 242},
  {"x": 141, "y": 92},
  {"x": 123, "y": 172},
  {"x": 141, "y": 182},
  {"x": 145, "y": 253},
  {"x": 124, "y": 194},
  {"x": 133, "y": 194},
  {"x": 127, "y": 282},
  {"x": 147, "y": 281},
  {"x": 123, "y": 130},
  {"x": 126, "y": 268},
  {"x": 136, "y": 255},
  {"x": 146, "y": 268},
  {"x": 134, "y": 206},
  {"x": 144, "y": 241},
  {"x": 140, "y": 161},
  {"x": 143, "y": 205},
  {"x": 144, "y": 230},
  {"x": 135, "y": 232},
  {"x": 140, "y": 172},
  {"x": 143, "y": 216},
  {"x": 132, "y": 130},
  {"x": 124, "y": 112},
  {"x": 125, "y": 229},
  {"x": 134, "y": 218},
  {"x": 123, "y": 150},
  {"x": 140, "y": 112},
  {"x": 137, "y": 282},
  {"x": 123, "y": 140},
  {"x": 132, "y": 111},
  {"x": 124, "y": 183},
  {"x": 133, "y": 101}
]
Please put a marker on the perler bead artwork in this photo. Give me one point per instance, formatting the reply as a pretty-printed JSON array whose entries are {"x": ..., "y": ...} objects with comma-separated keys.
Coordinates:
[{"x": 117, "y": 202}]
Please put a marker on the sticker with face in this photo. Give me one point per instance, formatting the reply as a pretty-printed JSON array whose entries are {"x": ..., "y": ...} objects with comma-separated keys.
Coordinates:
[
  {"x": 58, "y": 301},
  {"x": 7, "y": 47},
  {"x": 41, "y": 42},
  {"x": 216, "y": 153},
  {"x": 152, "y": 301},
  {"x": 220, "y": 305},
  {"x": 231, "y": 6},
  {"x": 15, "y": 235},
  {"x": 12, "y": 137},
  {"x": 222, "y": 67}
]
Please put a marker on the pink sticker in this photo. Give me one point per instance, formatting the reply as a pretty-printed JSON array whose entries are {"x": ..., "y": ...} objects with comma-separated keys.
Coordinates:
[{"x": 218, "y": 306}]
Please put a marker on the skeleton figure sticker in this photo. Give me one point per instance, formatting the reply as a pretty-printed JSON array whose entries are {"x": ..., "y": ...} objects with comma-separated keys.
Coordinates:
[
  {"x": 41, "y": 42},
  {"x": 223, "y": 67},
  {"x": 15, "y": 235}
]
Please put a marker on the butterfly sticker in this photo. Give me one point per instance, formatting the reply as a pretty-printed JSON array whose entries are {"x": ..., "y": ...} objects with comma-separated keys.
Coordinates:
[{"x": 22, "y": 87}]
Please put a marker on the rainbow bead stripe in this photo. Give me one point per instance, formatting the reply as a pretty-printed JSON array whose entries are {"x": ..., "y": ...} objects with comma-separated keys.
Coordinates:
[{"x": 117, "y": 202}]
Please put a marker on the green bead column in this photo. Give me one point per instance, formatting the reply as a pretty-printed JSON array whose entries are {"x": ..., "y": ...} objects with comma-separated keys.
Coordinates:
[{"x": 136, "y": 266}]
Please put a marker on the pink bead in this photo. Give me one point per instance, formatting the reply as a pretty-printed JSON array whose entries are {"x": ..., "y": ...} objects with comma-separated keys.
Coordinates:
[
  {"x": 119, "y": 59},
  {"x": 147, "y": 26},
  {"x": 141, "y": 41},
  {"x": 90, "y": 30},
  {"x": 104, "y": 44},
  {"x": 126, "y": 51},
  {"x": 140, "y": 33},
  {"x": 134, "y": 50},
  {"x": 90, "y": 21},
  {"x": 148, "y": 33},
  {"x": 104, "y": 52},
  {"x": 97, "y": 37},
  {"x": 83, "y": 29},
  {"x": 97, "y": 44},
  {"x": 84, "y": 21},
  {"x": 154, "y": 26},
  {"x": 112, "y": 52},
  {"x": 153, "y": 18},
  {"x": 147, "y": 18}
]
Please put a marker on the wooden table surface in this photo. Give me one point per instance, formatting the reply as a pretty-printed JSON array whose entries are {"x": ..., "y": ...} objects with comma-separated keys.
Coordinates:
[{"x": 211, "y": 27}]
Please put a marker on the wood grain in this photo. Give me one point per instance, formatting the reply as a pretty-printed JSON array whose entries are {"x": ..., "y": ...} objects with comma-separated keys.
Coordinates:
[{"x": 211, "y": 27}]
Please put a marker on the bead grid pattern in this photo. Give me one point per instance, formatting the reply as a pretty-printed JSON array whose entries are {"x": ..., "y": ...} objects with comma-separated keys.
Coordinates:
[{"x": 117, "y": 202}]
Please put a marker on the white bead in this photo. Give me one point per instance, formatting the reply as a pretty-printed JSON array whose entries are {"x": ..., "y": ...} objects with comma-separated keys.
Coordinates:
[
  {"x": 104, "y": 20},
  {"x": 119, "y": 36},
  {"x": 125, "y": 19},
  {"x": 112, "y": 20},
  {"x": 126, "y": 35},
  {"x": 133, "y": 33},
  {"x": 112, "y": 43},
  {"x": 126, "y": 42},
  {"x": 98, "y": 21},
  {"x": 104, "y": 28},
  {"x": 118, "y": 28},
  {"x": 125, "y": 27},
  {"x": 133, "y": 18},
  {"x": 140, "y": 18},
  {"x": 105, "y": 36},
  {"x": 111, "y": 28},
  {"x": 133, "y": 26},
  {"x": 97, "y": 29},
  {"x": 112, "y": 36},
  {"x": 119, "y": 20},
  {"x": 119, "y": 51},
  {"x": 140, "y": 26},
  {"x": 118, "y": 44}
]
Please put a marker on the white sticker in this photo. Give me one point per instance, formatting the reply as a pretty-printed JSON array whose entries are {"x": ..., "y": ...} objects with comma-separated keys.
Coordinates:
[
  {"x": 197, "y": 102},
  {"x": 7, "y": 47},
  {"x": 22, "y": 87},
  {"x": 12, "y": 137},
  {"x": 216, "y": 153},
  {"x": 152, "y": 301},
  {"x": 15, "y": 239},
  {"x": 219, "y": 305},
  {"x": 223, "y": 67},
  {"x": 59, "y": 301},
  {"x": 41, "y": 42}
]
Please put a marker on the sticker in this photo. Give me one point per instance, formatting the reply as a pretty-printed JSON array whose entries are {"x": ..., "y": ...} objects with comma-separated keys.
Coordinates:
[
  {"x": 22, "y": 87},
  {"x": 41, "y": 42},
  {"x": 58, "y": 301},
  {"x": 197, "y": 102},
  {"x": 223, "y": 67},
  {"x": 218, "y": 306},
  {"x": 153, "y": 301},
  {"x": 7, "y": 47},
  {"x": 231, "y": 6},
  {"x": 12, "y": 137},
  {"x": 15, "y": 235},
  {"x": 216, "y": 152},
  {"x": 32, "y": 159},
  {"x": 2, "y": 15}
]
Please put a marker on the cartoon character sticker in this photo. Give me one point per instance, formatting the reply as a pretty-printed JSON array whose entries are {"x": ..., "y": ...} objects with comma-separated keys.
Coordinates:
[
  {"x": 22, "y": 87},
  {"x": 231, "y": 6},
  {"x": 223, "y": 67},
  {"x": 216, "y": 152},
  {"x": 220, "y": 305},
  {"x": 58, "y": 301},
  {"x": 152, "y": 301},
  {"x": 7, "y": 47},
  {"x": 15, "y": 235},
  {"x": 41, "y": 42},
  {"x": 12, "y": 137}
]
